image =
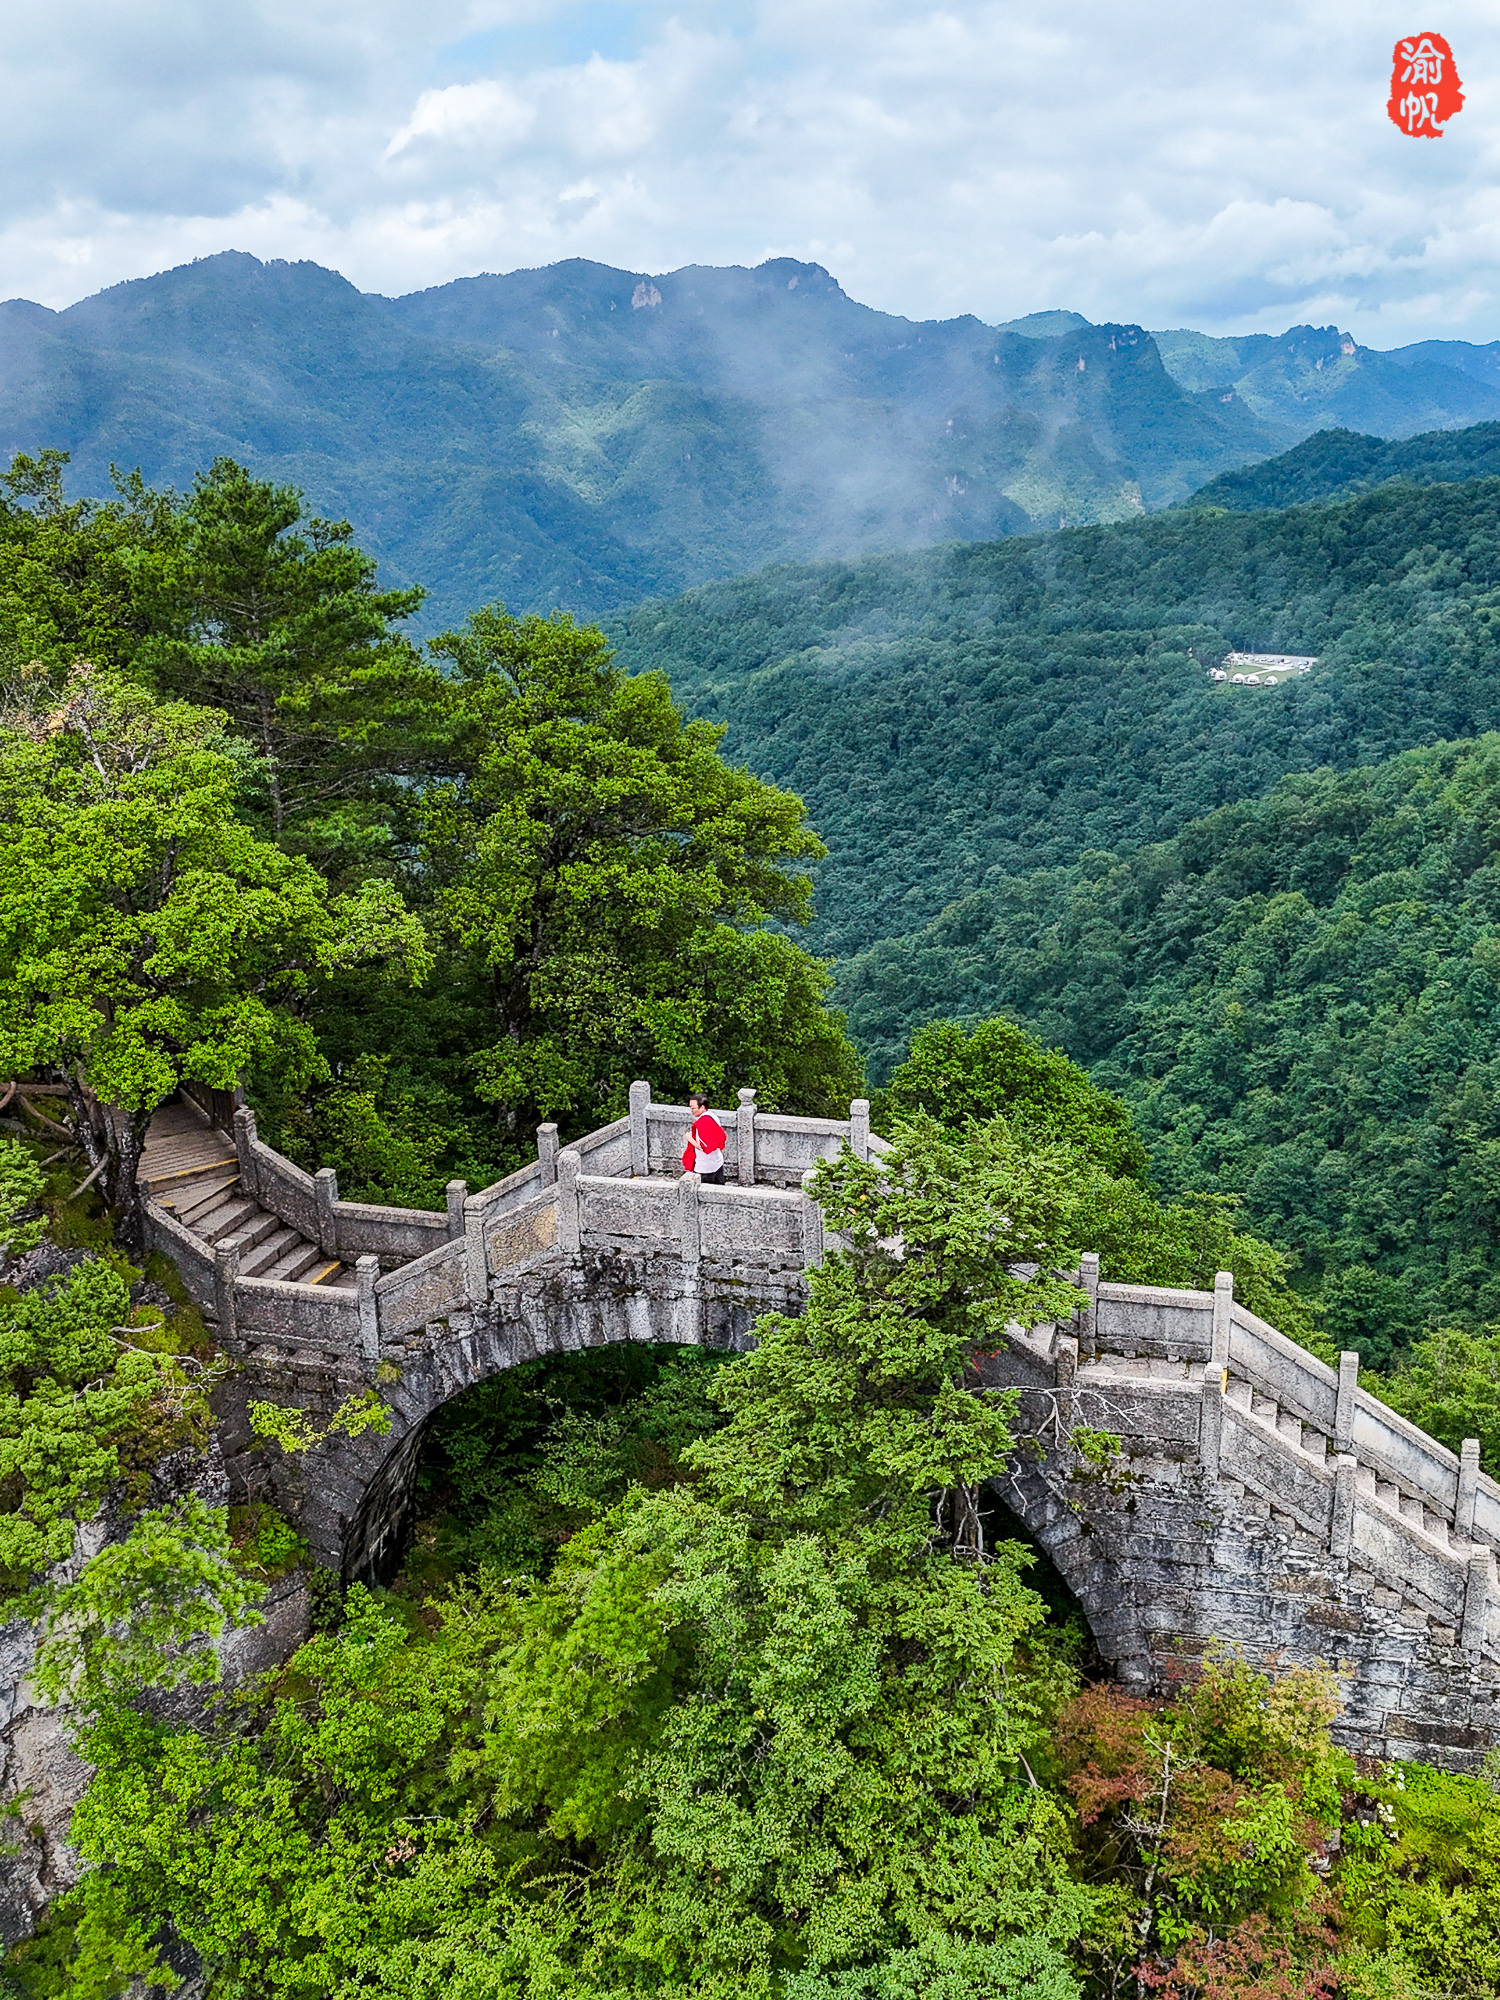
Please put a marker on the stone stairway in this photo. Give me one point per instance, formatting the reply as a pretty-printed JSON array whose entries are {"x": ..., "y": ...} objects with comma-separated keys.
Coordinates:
[
  {"x": 1290, "y": 1431},
  {"x": 189, "y": 1168}
]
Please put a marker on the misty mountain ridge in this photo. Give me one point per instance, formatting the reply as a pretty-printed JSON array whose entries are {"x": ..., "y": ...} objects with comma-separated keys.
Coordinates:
[{"x": 586, "y": 436}]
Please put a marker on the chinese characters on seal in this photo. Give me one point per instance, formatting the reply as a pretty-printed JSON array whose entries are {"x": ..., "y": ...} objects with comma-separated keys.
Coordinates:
[{"x": 1425, "y": 86}]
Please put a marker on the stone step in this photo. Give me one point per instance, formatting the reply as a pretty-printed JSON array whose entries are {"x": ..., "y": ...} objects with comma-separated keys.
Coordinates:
[
  {"x": 292, "y": 1263},
  {"x": 204, "y": 1198},
  {"x": 326, "y": 1275},
  {"x": 255, "y": 1231},
  {"x": 1263, "y": 1407},
  {"x": 221, "y": 1222},
  {"x": 1364, "y": 1479},
  {"x": 191, "y": 1193},
  {"x": 1239, "y": 1393},
  {"x": 1387, "y": 1492},
  {"x": 1290, "y": 1428},
  {"x": 264, "y": 1255}
]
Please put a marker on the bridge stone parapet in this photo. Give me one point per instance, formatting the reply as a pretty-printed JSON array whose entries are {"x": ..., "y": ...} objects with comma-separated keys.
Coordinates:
[
  {"x": 1255, "y": 1495},
  {"x": 1261, "y": 1499}
]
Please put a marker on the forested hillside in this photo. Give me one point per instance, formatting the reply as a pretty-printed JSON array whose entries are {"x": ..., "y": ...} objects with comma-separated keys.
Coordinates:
[
  {"x": 1334, "y": 464},
  {"x": 587, "y": 437},
  {"x": 1299, "y": 1000},
  {"x": 1310, "y": 376},
  {"x": 959, "y": 716}
]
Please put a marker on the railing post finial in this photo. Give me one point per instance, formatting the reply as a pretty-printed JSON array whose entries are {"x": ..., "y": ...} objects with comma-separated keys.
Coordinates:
[
  {"x": 859, "y": 1128},
  {"x": 569, "y": 1218},
  {"x": 745, "y": 1120},
  {"x": 640, "y": 1133},
  {"x": 1223, "y": 1309}
]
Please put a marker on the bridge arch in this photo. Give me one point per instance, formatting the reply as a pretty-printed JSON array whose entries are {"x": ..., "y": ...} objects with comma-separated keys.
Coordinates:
[{"x": 1255, "y": 1497}]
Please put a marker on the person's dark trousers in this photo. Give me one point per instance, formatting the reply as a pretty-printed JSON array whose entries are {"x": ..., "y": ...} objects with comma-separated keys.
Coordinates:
[{"x": 715, "y": 1179}]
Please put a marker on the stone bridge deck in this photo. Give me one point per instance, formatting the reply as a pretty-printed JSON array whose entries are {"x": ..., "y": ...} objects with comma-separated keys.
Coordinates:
[{"x": 1260, "y": 1498}]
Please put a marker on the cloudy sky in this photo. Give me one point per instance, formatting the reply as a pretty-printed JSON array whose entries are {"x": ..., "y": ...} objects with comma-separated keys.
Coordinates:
[{"x": 1179, "y": 163}]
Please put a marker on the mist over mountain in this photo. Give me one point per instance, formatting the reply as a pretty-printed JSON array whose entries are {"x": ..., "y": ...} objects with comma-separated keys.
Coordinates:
[{"x": 584, "y": 436}]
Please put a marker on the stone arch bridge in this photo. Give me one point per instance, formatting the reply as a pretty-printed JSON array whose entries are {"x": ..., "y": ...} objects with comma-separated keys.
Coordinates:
[{"x": 1260, "y": 1498}]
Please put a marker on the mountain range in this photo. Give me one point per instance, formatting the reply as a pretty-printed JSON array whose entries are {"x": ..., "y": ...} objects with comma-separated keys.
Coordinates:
[{"x": 589, "y": 437}]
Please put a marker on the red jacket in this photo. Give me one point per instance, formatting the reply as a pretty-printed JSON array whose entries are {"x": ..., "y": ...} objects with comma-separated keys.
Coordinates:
[{"x": 709, "y": 1135}]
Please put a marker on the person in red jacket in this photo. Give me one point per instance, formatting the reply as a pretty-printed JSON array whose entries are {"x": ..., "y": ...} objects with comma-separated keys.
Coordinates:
[{"x": 704, "y": 1152}]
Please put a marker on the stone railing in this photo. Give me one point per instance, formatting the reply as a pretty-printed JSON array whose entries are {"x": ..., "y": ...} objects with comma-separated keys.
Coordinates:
[
  {"x": 615, "y": 1194},
  {"x": 343, "y": 1229},
  {"x": 1190, "y": 1376},
  {"x": 1194, "y": 1375}
]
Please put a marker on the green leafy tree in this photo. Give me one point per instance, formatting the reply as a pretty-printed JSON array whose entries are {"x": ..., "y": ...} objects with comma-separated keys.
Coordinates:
[
  {"x": 996, "y": 1068},
  {"x": 147, "y": 936},
  {"x": 608, "y": 877},
  {"x": 759, "y": 1733},
  {"x": 1449, "y": 1383},
  {"x": 77, "y": 578},
  {"x": 78, "y": 1402},
  {"x": 959, "y": 1076},
  {"x": 138, "y": 1615},
  {"x": 277, "y": 618}
]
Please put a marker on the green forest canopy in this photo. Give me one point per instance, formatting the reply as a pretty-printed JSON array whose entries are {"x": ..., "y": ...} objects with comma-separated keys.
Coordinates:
[
  {"x": 1298, "y": 998},
  {"x": 960, "y": 716},
  {"x": 208, "y": 694},
  {"x": 782, "y": 1722}
]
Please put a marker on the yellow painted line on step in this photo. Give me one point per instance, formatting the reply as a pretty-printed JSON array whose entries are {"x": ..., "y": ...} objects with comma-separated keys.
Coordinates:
[
  {"x": 326, "y": 1272},
  {"x": 199, "y": 1197}
]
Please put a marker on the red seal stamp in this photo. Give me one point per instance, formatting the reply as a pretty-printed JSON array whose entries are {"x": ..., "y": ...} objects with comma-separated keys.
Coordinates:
[{"x": 1425, "y": 86}]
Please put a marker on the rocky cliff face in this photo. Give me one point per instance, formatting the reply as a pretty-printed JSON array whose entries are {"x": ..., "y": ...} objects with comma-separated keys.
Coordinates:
[{"x": 42, "y": 1777}]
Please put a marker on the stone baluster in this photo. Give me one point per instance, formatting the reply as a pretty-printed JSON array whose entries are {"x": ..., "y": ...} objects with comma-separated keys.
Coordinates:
[
  {"x": 546, "y": 1153},
  {"x": 1344, "y": 1406},
  {"x": 859, "y": 1128},
  {"x": 1478, "y": 1588},
  {"x": 1088, "y": 1317},
  {"x": 812, "y": 1226},
  {"x": 226, "y": 1277},
  {"x": 1468, "y": 1489},
  {"x": 746, "y": 1123},
  {"x": 476, "y": 1262},
  {"x": 569, "y": 1215},
  {"x": 244, "y": 1147},
  {"x": 326, "y": 1195},
  {"x": 366, "y": 1274},
  {"x": 457, "y": 1193},
  {"x": 640, "y": 1129},
  {"x": 1218, "y": 1353},
  {"x": 1341, "y": 1509}
]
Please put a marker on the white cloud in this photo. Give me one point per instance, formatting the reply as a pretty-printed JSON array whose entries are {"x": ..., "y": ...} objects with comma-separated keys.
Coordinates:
[
  {"x": 1171, "y": 163},
  {"x": 467, "y": 113}
]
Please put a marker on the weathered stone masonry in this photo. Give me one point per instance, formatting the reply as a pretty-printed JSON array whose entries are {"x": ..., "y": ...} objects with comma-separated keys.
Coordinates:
[{"x": 1260, "y": 1498}]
